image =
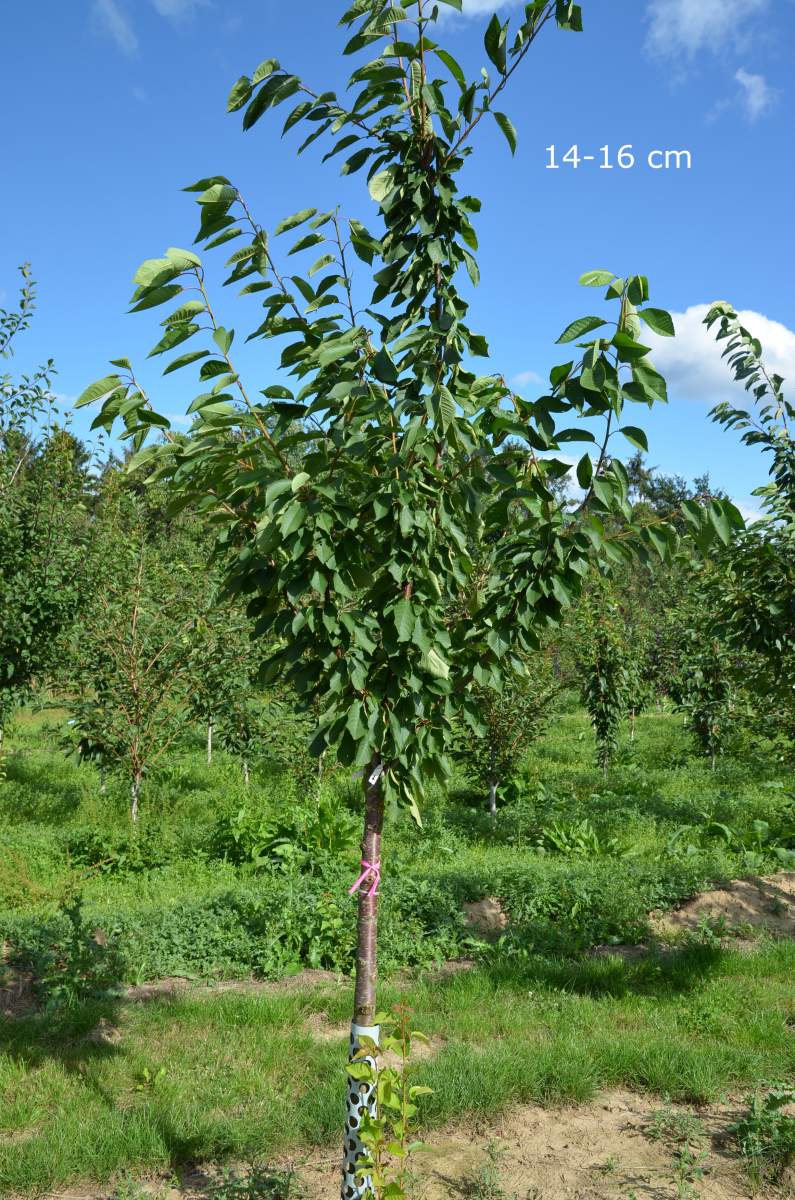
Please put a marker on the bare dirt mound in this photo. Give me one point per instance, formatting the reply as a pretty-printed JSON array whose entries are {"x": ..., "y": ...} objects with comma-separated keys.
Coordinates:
[
  {"x": 486, "y": 917},
  {"x": 743, "y": 906},
  {"x": 623, "y": 1146}
]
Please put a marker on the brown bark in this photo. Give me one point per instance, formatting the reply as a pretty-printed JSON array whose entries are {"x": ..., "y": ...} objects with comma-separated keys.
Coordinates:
[{"x": 364, "y": 1006}]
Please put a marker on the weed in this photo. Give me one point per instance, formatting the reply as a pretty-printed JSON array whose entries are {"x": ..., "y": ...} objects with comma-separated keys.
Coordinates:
[
  {"x": 609, "y": 1166},
  {"x": 689, "y": 1169},
  {"x": 72, "y": 962},
  {"x": 256, "y": 1183},
  {"x": 487, "y": 1184},
  {"x": 766, "y": 1134},
  {"x": 148, "y": 1080}
]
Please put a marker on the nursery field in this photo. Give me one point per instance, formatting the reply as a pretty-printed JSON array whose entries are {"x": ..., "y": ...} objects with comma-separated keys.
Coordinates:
[{"x": 175, "y": 999}]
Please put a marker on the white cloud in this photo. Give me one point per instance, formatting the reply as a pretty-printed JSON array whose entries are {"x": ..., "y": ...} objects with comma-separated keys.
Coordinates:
[
  {"x": 678, "y": 27},
  {"x": 525, "y": 378},
  {"x": 748, "y": 513},
  {"x": 692, "y": 363},
  {"x": 115, "y": 22},
  {"x": 757, "y": 95},
  {"x": 175, "y": 9}
]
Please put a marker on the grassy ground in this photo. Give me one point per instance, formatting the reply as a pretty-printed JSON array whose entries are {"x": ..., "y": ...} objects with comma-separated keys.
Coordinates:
[
  {"x": 108, "y": 1086},
  {"x": 242, "y": 1075}
]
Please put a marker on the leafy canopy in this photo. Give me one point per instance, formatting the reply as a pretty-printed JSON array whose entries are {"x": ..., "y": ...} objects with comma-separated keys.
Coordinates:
[{"x": 354, "y": 493}]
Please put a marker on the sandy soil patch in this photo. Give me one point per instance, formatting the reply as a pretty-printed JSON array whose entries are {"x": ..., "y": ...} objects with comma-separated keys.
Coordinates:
[
  {"x": 745, "y": 905},
  {"x": 615, "y": 1149}
]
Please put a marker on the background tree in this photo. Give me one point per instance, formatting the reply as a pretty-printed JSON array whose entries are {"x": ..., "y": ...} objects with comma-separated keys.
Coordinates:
[
  {"x": 603, "y": 656},
  {"x": 44, "y": 529},
  {"x": 409, "y": 458},
  {"x": 510, "y": 720},
  {"x": 129, "y": 661},
  {"x": 223, "y": 676},
  {"x": 708, "y": 696},
  {"x": 754, "y": 606}
]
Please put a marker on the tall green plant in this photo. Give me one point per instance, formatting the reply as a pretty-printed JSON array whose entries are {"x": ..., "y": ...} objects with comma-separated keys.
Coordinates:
[
  {"x": 409, "y": 457},
  {"x": 708, "y": 694},
  {"x": 44, "y": 529},
  {"x": 604, "y": 659},
  {"x": 510, "y": 720},
  {"x": 754, "y": 607},
  {"x": 128, "y": 663}
]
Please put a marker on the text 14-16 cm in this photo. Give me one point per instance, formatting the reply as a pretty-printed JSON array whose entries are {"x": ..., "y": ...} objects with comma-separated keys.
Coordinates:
[{"x": 624, "y": 158}]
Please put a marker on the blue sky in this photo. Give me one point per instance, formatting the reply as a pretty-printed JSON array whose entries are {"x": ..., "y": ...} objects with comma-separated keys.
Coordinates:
[{"x": 111, "y": 106}]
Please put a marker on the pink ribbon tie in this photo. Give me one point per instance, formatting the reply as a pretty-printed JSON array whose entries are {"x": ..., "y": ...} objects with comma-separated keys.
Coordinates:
[{"x": 371, "y": 871}]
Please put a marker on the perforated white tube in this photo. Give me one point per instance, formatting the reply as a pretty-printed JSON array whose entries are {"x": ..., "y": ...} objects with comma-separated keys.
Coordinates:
[{"x": 360, "y": 1098}]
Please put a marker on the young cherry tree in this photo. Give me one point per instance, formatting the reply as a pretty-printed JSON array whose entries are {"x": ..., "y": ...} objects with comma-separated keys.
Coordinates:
[
  {"x": 44, "y": 529},
  {"x": 352, "y": 558},
  {"x": 753, "y": 595},
  {"x": 603, "y": 660},
  {"x": 510, "y": 720},
  {"x": 127, "y": 666}
]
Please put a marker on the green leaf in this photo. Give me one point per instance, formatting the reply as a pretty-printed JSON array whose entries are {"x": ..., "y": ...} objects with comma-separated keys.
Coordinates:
[
  {"x": 494, "y": 42},
  {"x": 636, "y": 436},
  {"x": 212, "y": 368},
  {"x": 185, "y": 313},
  {"x": 383, "y": 367},
  {"x": 277, "y": 488},
  {"x": 452, "y": 66},
  {"x": 596, "y": 278},
  {"x": 95, "y": 391},
  {"x": 658, "y": 320},
  {"x": 579, "y": 327},
  {"x": 507, "y": 128},
  {"x": 184, "y": 259},
  {"x": 159, "y": 295},
  {"x": 585, "y": 471},
  {"x": 292, "y": 519},
  {"x": 152, "y": 271},
  {"x": 720, "y": 522},
  {"x": 404, "y": 620},
  {"x": 265, "y": 68},
  {"x": 185, "y": 360},
  {"x": 240, "y": 94},
  {"x": 295, "y": 220},
  {"x": 311, "y": 239},
  {"x": 436, "y": 664},
  {"x": 381, "y": 185},
  {"x": 201, "y": 185},
  {"x": 446, "y": 407},
  {"x": 638, "y": 289},
  {"x": 223, "y": 338}
]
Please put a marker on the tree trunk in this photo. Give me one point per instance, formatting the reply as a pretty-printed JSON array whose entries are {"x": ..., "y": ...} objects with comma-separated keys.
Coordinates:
[
  {"x": 135, "y": 796},
  {"x": 210, "y": 742},
  {"x": 103, "y": 783},
  {"x": 360, "y": 1094},
  {"x": 632, "y": 726},
  {"x": 246, "y": 774}
]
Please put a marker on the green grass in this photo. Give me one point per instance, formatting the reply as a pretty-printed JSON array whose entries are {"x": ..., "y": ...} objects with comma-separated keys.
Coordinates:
[
  {"x": 537, "y": 1020},
  {"x": 243, "y": 1077}
]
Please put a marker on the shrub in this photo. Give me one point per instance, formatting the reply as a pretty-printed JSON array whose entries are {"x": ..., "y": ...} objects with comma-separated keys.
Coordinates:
[{"x": 71, "y": 960}]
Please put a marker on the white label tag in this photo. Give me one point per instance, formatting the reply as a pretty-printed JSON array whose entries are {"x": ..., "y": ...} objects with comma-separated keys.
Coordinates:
[{"x": 376, "y": 775}]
